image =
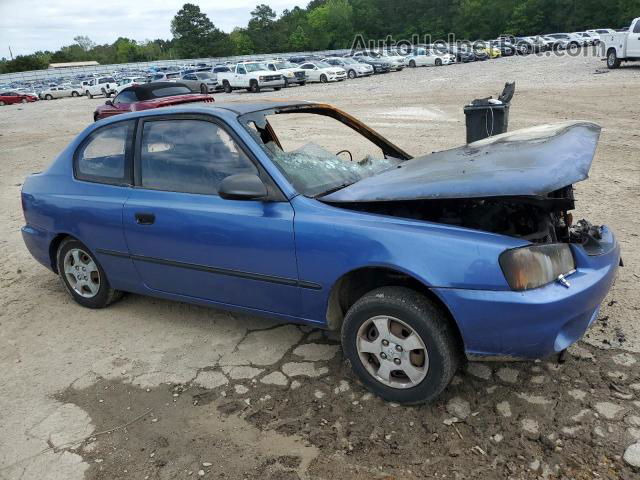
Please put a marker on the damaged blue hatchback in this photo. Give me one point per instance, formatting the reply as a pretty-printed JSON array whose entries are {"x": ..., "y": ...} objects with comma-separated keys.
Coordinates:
[{"x": 419, "y": 262}]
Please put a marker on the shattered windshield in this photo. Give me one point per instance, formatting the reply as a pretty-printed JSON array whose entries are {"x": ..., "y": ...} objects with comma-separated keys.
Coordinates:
[
  {"x": 314, "y": 171},
  {"x": 320, "y": 154}
]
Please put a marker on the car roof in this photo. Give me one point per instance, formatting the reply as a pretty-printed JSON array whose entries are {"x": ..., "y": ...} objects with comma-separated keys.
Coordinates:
[{"x": 242, "y": 108}]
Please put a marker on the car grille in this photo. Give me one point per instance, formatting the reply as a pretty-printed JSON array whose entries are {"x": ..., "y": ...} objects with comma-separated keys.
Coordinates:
[
  {"x": 300, "y": 74},
  {"x": 272, "y": 78}
]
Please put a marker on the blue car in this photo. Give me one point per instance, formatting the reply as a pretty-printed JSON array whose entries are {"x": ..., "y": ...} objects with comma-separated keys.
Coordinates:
[{"x": 420, "y": 262}]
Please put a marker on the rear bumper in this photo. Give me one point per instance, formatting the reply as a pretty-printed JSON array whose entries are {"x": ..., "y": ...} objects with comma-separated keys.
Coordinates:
[
  {"x": 536, "y": 323},
  {"x": 37, "y": 242}
]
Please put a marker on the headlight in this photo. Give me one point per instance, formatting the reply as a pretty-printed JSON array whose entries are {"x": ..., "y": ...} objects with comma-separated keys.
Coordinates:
[
  {"x": 532, "y": 267},
  {"x": 261, "y": 78},
  {"x": 289, "y": 74}
]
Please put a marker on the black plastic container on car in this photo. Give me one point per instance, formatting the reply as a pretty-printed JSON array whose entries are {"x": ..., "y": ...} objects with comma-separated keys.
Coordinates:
[{"x": 486, "y": 117}]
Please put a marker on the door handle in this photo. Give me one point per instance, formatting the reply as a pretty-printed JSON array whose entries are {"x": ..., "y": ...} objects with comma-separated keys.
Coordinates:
[{"x": 145, "y": 218}]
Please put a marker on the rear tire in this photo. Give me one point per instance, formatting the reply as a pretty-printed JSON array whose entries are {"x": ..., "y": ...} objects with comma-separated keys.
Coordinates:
[
  {"x": 612, "y": 59},
  {"x": 276, "y": 89},
  {"x": 24, "y": 100},
  {"x": 75, "y": 260},
  {"x": 226, "y": 86},
  {"x": 418, "y": 335},
  {"x": 2, "y": 104},
  {"x": 412, "y": 63},
  {"x": 74, "y": 94}
]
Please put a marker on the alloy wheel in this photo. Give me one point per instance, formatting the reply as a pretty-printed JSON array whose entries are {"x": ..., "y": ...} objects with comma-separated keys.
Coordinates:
[
  {"x": 81, "y": 273},
  {"x": 392, "y": 352}
]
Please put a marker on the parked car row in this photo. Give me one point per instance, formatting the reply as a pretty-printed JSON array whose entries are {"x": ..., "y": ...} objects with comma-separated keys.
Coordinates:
[{"x": 298, "y": 70}]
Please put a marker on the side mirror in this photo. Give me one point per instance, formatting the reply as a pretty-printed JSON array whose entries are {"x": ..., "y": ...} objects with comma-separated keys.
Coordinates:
[
  {"x": 109, "y": 102},
  {"x": 242, "y": 186}
]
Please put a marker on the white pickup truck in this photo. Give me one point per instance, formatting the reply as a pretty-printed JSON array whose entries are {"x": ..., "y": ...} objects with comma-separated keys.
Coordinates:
[
  {"x": 254, "y": 76},
  {"x": 100, "y": 86},
  {"x": 622, "y": 46}
]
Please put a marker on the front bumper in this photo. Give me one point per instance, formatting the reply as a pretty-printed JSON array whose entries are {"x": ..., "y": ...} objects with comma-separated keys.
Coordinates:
[
  {"x": 539, "y": 322},
  {"x": 337, "y": 77},
  {"x": 272, "y": 84}
]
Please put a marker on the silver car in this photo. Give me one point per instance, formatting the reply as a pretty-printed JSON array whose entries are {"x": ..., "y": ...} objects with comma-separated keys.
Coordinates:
[
  {"x": 60, "y": 92},
  {"x": 203, "y": 82}
]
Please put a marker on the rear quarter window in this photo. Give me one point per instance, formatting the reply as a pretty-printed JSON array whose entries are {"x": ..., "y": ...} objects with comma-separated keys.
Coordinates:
[{"x": 104, "y": 157}]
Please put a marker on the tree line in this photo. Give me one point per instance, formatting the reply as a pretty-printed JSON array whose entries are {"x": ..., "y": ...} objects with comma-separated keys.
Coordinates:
[{"x": 333, "y": 24}]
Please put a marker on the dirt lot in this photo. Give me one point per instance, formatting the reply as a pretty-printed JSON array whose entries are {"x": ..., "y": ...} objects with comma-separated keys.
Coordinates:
[{"x": 150, "y": 389}]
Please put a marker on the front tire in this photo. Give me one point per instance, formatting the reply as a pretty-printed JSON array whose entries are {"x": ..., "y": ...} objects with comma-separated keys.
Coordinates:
[
  {"x": 276, "y": 89},
  {"x": 352, "y": 74},
  {"x": 438, "y": 62},
  {"x": 254, "y": 87},
  {"x": 83, "y": 277},
  {"x": 612, "y": 59},
  {"x": 400, "y": 345},
  {"x": 48, "y": 97},
  {"x": 74, "y": 94},
  {"x": 323, "y": 78},
  {"x": 89, "y": 95},
  {"x": 24, "y": 100},
  {"x": 203, "y": 89},
  {"x": 412, "y": 64}
]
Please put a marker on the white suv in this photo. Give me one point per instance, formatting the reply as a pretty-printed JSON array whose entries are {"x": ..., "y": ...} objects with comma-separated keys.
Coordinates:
[{"x": 100, "y": 86}]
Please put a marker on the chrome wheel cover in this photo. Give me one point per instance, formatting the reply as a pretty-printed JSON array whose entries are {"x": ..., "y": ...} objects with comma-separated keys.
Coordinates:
[{"x": 392, "y": 352}]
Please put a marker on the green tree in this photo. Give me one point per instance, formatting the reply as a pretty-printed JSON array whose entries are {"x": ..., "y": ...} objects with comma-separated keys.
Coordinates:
[
  {"x": 298, "y": 40},
  {"x": 332, "y": 25},
  {"x": 196, "y": 36},
  {"x": 242, "y": 44},
  {"x": 23, "y": 63},
  {"x": 84, "y": 42},
  {"x": 261, "y": 29}
]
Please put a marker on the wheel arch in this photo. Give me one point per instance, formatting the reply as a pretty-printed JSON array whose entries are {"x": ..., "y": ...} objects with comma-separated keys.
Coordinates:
[
  {"x": 53, "y": 249},
  {"x": 352, "y": 285}
]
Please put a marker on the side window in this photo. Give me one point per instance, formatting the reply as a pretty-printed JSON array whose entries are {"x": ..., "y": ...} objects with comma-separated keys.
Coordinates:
[
  {"x": 103, "y": 158},
  {"x": 241, "y": 70},
  {"x": 125, "y": 97},
  {"x": 189, "y": 156},
  {"x": 636, "y": 28},
  {"x": 272, "y": 67}
]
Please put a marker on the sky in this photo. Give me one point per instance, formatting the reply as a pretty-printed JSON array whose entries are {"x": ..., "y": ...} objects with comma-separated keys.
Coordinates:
[{"x": 31, "y": 25}]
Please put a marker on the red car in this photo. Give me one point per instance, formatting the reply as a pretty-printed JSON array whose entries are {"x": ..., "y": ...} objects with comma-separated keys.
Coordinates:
[
  {"x": 7, "y": 98},
  {"x": 147, "y": 96}
]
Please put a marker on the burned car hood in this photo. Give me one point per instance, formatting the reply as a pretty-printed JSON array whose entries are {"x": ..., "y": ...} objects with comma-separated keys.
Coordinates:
[{"x": 531, "y": 162}]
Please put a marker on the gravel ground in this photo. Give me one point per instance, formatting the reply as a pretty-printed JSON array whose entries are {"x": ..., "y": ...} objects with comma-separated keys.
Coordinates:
[{"x": 150, "y": 389}]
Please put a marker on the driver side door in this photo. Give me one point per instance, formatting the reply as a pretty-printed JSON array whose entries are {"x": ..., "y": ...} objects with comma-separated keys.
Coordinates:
[{"x": 186, "y": 240}]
